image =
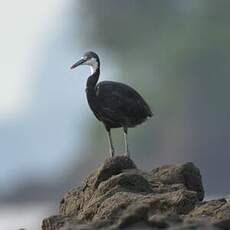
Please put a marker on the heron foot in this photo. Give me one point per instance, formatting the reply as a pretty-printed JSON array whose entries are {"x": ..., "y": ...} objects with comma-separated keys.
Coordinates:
[
  {"x": 127, "y": 154},
  {"x": 112, "y": 152}
]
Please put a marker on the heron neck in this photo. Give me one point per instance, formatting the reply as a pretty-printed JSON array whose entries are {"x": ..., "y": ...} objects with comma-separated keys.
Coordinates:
[{"x": 93, "y": 78}]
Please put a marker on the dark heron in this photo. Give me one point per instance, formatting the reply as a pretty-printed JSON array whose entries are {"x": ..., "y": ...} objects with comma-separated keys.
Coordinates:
[{"x": 113, "y": 103}]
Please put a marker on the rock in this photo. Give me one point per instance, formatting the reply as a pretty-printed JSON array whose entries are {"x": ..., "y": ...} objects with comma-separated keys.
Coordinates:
[
  {"x": 216, "y": 209},
  {"x": 186, "y": 174},
  {"x": 120, "y": 196}
]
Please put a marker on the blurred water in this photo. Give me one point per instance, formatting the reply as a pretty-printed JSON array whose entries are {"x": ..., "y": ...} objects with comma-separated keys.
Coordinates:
[{"x": 27, "y": 216}]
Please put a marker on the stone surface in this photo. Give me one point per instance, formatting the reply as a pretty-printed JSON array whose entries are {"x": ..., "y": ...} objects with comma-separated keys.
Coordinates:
[{"x": 120, "y": 196}]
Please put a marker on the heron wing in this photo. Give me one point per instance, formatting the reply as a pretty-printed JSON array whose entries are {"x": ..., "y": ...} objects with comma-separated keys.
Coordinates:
[{"x": 120, "y": 103}]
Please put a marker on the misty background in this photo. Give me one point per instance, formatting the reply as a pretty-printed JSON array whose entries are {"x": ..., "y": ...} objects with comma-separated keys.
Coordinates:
[{"x": 175, "y": 53}]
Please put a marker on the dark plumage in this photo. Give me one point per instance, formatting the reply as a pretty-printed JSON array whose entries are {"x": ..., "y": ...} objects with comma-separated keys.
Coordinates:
[
  {"x": 120, "y": 105},
  {"x": 113, "y": 103}
]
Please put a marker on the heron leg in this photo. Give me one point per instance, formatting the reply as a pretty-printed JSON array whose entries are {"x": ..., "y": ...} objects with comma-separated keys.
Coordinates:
[
  {"x": 127, "y": 153},
  {"x": 111, "y": 148}
]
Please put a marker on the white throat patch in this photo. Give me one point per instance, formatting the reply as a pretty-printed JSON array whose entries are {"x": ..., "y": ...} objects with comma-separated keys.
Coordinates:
[{"x": 92, "y": 62}]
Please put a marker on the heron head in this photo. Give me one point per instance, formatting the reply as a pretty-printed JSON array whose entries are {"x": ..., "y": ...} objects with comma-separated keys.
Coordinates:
[{"x": 89, "y": 58}]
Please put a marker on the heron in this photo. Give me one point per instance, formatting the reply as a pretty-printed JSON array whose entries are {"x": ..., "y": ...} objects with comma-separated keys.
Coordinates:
[{"x": 115, "y": 104}]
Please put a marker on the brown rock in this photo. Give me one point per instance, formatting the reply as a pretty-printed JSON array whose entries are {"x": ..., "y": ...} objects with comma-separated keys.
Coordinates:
[
  {"x": 216, "y": 210},
  {"x": 186, "y": 174},
  {"x": 118, "y": 195}
]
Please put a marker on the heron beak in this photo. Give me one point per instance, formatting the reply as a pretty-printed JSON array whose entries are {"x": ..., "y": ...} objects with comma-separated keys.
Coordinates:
[{"x": 81, "y": 61}]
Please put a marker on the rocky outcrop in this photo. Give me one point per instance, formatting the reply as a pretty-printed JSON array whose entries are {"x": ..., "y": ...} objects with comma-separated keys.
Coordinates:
[{"x": 120, "y": 196}]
